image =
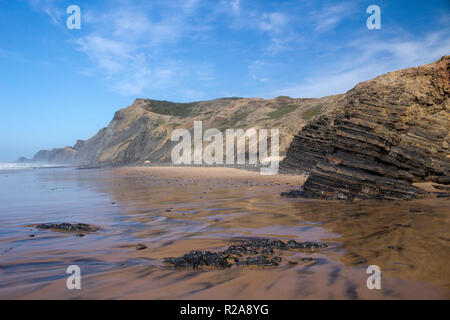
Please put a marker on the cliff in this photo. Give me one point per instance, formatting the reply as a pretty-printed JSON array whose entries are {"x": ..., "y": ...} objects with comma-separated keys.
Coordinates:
[
  {"x": 379, "y": 138},
  {"x": 57, "y": 155},
  {"x": 143, "y": 130}
]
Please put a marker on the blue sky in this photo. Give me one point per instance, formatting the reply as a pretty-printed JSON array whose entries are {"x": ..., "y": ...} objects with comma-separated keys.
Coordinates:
[{"x": 58, "y": 85}]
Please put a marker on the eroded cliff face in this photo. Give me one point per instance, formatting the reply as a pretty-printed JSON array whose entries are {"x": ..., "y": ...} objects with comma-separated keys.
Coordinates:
[
  {"x": 379, "y": 138},
  {"x": 143, "y": 130}
]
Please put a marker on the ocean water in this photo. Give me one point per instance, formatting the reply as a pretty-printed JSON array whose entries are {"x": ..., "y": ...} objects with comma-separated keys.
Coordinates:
[{"x": 23, "y": 166}]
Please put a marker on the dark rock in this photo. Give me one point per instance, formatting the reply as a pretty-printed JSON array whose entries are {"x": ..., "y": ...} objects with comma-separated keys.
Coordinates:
[
  {"x": 268, "y": 251},
  {"x": 261, "y": 261},
  {"x": 442, "y": 194},
  {"x": 399, "y": 225},
  {"x": 305, "y": 245},
  {"x": 395, "y": 248},
  {"x": 276, "y": 259},
  {"x": 68, "y": 227},
  {"x": 264, "y": 244},
  {"x": 141, "y": 246},
  {"x": 441, "y": 187},
  {"x": 360, "y": 261},
  {"x": 199, "y": 258},
  {"x": 235, "y": 249},
  {"x": 247, "y": 248},
  {"x": 291, "y": 194}
]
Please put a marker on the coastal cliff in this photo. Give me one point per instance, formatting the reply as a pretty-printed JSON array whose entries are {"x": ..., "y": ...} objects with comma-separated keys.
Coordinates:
[
  {"x": 379, "y": 138},
  {"x": 142, "y": 131}
]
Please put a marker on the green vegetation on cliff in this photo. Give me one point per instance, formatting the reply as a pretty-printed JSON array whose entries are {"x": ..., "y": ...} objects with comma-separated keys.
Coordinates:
[
  {"x": 281, "y": 111},
  {"x": 170, "y": 108}
]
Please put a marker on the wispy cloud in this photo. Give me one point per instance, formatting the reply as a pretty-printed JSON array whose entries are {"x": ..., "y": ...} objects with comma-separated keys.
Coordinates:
[
  {"x": 235, "y": 5},
  {"x": 369, "y": 59},
  {"x": 274, "y": 25},
  {"x": 273, "y": 22},
  {"x": 127, "y": 45},
  {"x": 330, "y": 16},
  {"x": 50, "y": 7},
  {"x": 150, "y": 47}
]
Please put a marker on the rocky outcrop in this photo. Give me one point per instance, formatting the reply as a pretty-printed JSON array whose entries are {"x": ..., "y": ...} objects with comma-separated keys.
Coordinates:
[
  {"x": 67, "y": 227},
  {"x": 23, "y": 160},
  {"x": 379, "y": 138},
  {"x": 142, "y": 131},
  {"x": 57, "y": 156},
  {"x": 251, "y": 252}
]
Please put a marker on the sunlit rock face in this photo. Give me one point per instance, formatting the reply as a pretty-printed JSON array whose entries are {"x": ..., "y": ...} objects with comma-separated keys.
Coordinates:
[
  {"x": 142, "y": 131},
  {"x": 379, "y": 138}
]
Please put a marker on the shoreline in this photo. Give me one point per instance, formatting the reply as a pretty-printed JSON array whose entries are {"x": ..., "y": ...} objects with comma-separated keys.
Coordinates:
[{"x": 206, "y": 173}]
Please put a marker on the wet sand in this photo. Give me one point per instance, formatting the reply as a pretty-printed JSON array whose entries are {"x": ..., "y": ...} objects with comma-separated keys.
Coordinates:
[{"x": 176, "y": 210}]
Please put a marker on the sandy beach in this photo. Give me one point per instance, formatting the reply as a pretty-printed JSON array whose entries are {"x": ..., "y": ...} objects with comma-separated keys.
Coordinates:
[{"x": 175, "y": 210}]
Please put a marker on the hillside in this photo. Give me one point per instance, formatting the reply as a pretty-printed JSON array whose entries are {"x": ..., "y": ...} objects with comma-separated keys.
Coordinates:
[{"x": 143, "y": 130}]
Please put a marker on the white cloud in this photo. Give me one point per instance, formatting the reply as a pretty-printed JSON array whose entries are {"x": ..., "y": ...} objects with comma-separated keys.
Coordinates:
[
  {"x": 410, "y": 52},
  {"x": 328, "y": 84},
  {"x": 369, "y": 59},
  {"x": 50, "y": 8},
  {"x": 256, "y": 69},
  {"x": 111, "y": 56},
  {"x": 330, "y": 16},
  {"x": 273, "y": 22},
  {"x": 127, "y": 46},
  {"x": 138, "y": 47},
  {"x": 273, "y": 25},
  {"x": 235, "y": 5}
]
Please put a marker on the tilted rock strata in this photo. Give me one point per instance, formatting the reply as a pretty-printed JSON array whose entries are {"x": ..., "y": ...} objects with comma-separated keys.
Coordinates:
[{"x": 379, "y": 138}]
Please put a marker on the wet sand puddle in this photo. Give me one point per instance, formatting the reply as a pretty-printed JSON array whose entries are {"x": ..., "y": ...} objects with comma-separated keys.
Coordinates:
[{"x": 176, "y": 211}]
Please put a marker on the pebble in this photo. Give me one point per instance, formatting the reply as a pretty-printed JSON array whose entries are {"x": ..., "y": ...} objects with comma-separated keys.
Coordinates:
[{"x": 141, "y": 246}]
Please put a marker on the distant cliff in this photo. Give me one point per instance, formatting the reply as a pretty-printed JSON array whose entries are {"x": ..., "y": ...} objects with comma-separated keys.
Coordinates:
[
  {"x": 143, "y": 130},
  {"x": 379, "y": 138}
]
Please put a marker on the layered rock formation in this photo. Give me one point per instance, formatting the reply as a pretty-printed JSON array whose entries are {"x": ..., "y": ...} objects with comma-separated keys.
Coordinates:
[
  {"x": 142, "y": 131},
  {"x": 379, "y": 138}
]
